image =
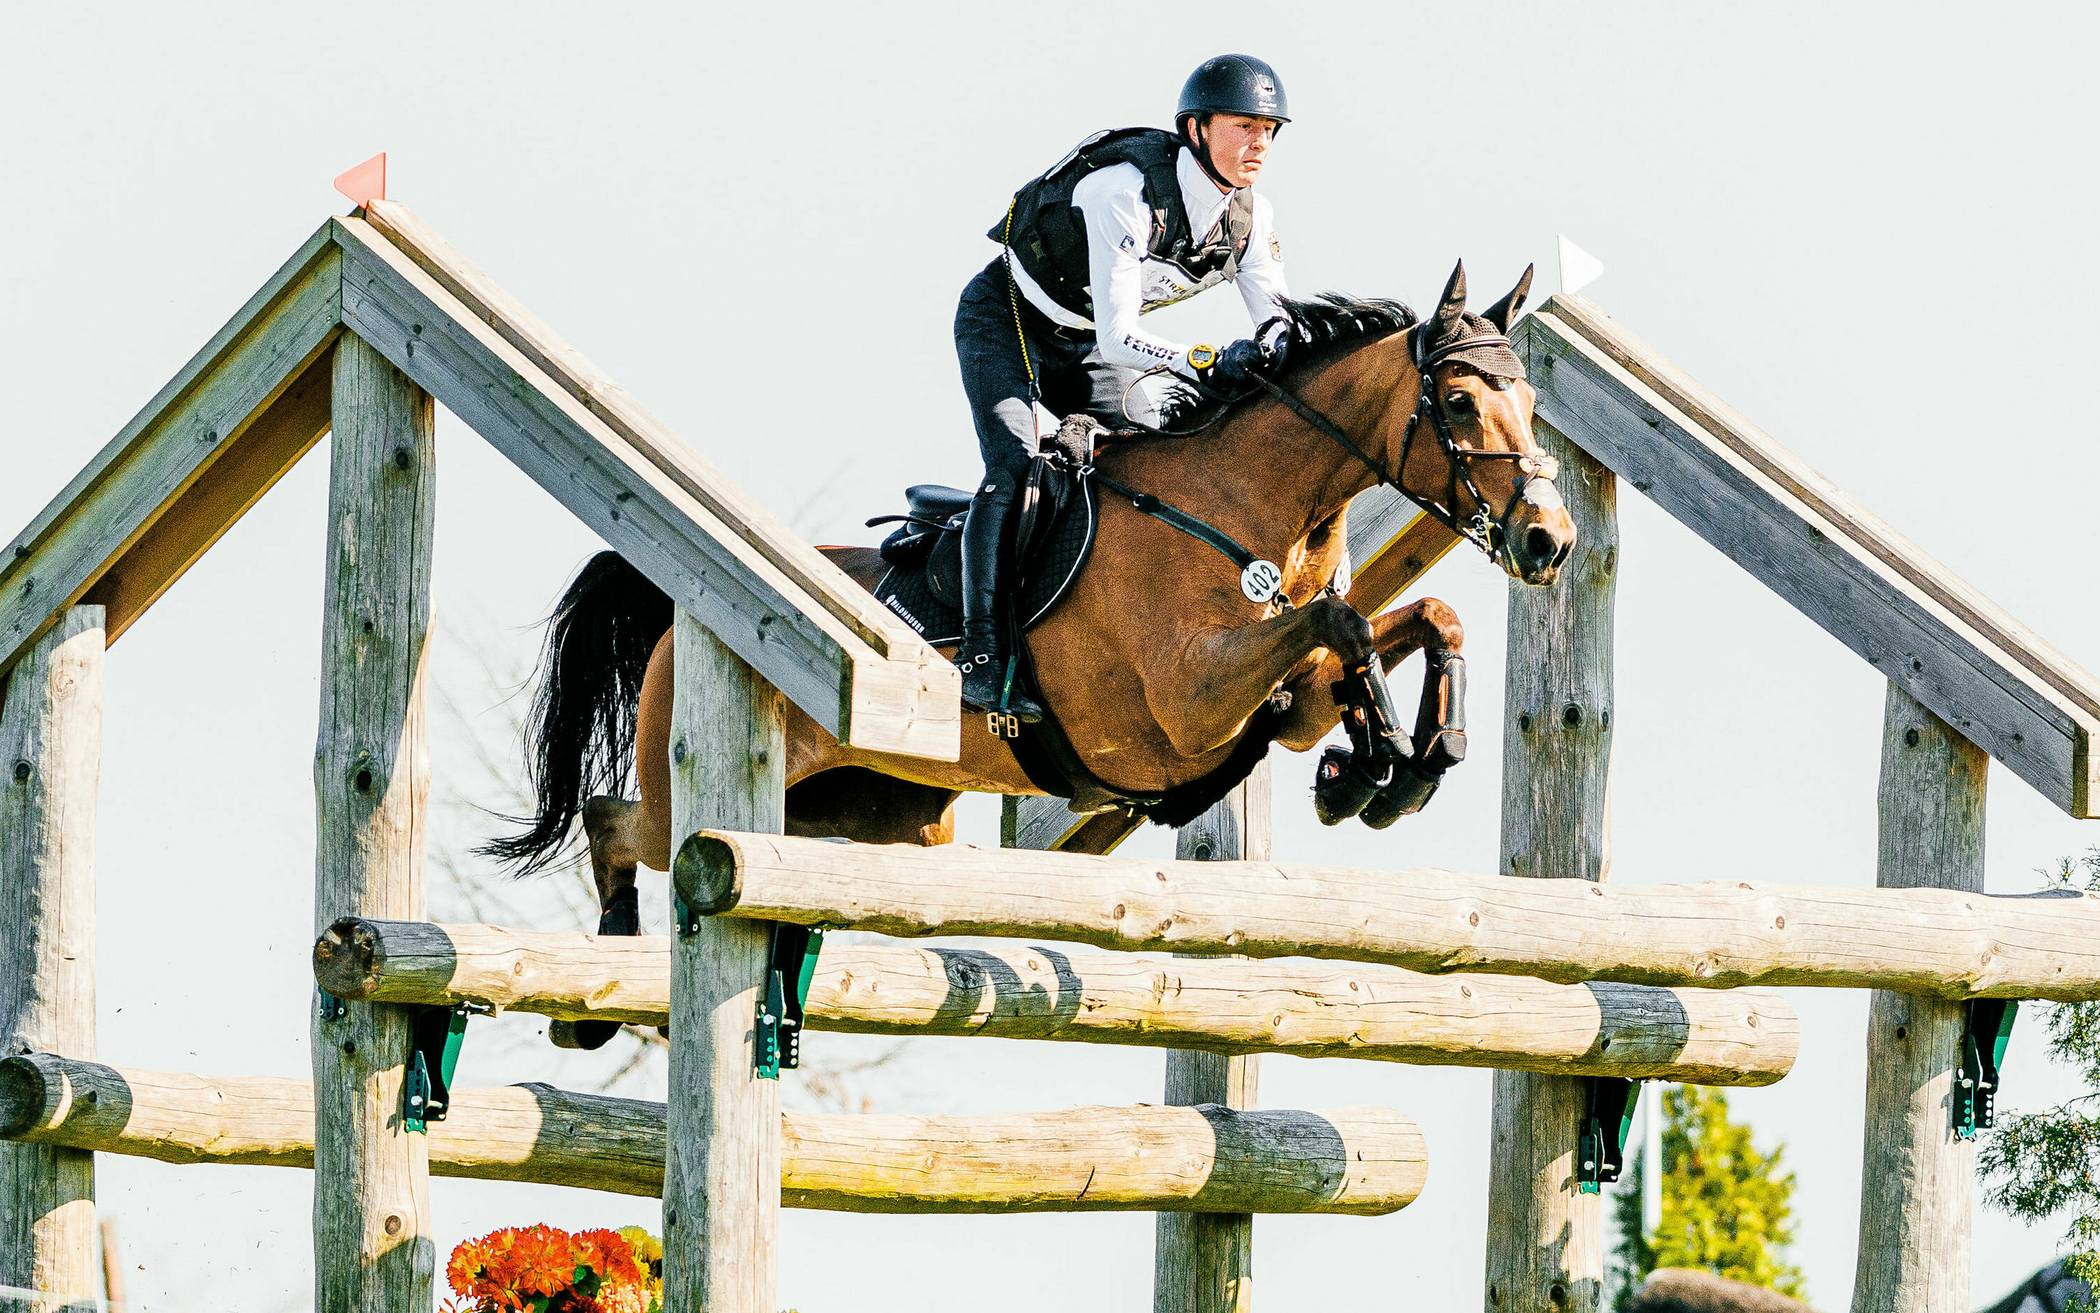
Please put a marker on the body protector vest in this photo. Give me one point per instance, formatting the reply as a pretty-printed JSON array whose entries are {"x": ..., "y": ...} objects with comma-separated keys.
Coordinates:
[{"x": 1047, "y": 233}]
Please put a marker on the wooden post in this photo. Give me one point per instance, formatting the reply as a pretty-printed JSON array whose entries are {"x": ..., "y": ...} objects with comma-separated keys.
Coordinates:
[
  {"x": 722, "y": 1160},
  {"x": 1917, "y": 1182},
  {"x": 51, "y": 749},
  {"x": 1545, "y": 1248},
  {"x": 372, "y": 1246},
  {"x": 1204, "y": 1262}
]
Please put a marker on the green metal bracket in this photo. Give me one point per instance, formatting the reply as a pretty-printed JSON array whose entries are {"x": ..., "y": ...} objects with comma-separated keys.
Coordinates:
[
  {"x": 1983, "y": 1039},
  {"x": 686, "y": 919},
  {"x": 435, "y": 1036},
  {"x": 1608, "y": 1106},
  {"x": 329, "y": 1006},
  {"x": 791, "y": 966}
]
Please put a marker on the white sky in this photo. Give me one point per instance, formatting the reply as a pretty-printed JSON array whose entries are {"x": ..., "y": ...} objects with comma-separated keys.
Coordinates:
[{"x": 1868, "y": 227}]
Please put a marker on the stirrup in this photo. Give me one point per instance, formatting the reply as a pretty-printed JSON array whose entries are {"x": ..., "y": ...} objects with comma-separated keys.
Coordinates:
[{"x": 1005, "y": 708}]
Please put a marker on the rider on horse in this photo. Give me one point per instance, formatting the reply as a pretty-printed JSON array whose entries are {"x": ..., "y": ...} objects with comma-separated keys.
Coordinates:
[{"x": 1130, "y": 221}]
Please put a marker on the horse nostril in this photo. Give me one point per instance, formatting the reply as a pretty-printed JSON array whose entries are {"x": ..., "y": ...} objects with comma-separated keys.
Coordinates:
[{"x": 1540, "y": 546}]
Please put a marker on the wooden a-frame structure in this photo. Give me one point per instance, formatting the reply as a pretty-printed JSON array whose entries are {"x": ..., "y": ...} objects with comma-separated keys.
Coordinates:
[
  {"x": 374, "y": 319},
  {"x": 1966, "y": 683},
  {"x": 368, "y": 323},
  {"x": 243, "y": 411}
]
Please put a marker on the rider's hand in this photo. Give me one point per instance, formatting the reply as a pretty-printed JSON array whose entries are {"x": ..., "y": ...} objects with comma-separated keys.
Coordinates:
[
  {"x": 1239, "y": 362},
  {"x": 1263, "y": 353}
]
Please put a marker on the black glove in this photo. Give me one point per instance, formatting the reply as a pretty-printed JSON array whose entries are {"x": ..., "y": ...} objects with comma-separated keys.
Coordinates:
[{"x": 1264, "y": 353}]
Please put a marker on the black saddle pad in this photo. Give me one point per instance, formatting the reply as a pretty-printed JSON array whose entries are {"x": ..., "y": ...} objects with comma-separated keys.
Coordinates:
[{"x": 1056, "y": 522}]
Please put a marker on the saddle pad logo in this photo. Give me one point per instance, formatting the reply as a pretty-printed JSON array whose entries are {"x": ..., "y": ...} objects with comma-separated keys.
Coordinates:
[
  {"x": 905, "y": 615},
  {"x": 1260, "y": 581}
]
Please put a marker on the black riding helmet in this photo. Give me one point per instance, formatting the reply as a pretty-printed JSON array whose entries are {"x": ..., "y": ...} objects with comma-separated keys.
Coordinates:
[
  {"x": 1229, "y": 84},
  {"x": 1232, "y": 84}
]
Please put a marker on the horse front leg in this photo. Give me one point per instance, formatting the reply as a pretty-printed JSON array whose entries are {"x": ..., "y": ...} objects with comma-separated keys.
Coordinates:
[
  {"x": 1203, "y": 695},
  {"x": 1349, "y": 779}
]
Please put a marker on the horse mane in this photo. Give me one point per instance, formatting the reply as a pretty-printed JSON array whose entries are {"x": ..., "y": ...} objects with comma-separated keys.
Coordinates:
[{"x": 1326, "y": 326}]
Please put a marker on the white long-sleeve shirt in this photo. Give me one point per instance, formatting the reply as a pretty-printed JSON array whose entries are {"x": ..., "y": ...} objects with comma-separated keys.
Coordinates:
[{"x": 1124, "y": 283}]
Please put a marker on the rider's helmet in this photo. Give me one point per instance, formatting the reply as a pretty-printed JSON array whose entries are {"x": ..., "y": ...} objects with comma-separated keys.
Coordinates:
[{"x": 1232, "y": 84}]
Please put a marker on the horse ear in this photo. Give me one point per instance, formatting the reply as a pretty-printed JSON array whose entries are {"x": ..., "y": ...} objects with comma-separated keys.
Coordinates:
[
  {"x": 1452, "y": 308},
  {"x": 1504, "y": 312}
]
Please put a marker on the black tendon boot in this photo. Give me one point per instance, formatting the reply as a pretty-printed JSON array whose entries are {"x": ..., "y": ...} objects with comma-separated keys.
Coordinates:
[{"x": 982, "y": 658}]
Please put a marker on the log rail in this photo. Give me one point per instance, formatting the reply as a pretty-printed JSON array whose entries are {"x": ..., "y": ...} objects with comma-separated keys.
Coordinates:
[
  {"x": 1939, "y": 943},
  {"x": 1305, "y": 1008},
  {"x": 1362, "y": 1161}
]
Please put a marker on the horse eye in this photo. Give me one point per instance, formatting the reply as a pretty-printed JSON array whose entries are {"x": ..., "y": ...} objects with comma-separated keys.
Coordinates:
[{"x": 1459, "y": 401}]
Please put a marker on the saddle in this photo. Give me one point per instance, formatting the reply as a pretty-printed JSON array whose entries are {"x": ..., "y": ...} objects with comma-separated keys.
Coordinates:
[
  {"x": 1053, "y": 534},
  {"x": 1054, "y": 530}
]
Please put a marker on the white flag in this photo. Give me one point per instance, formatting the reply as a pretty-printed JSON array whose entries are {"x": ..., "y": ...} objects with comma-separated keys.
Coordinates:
[{"x": 1578, "y": 268}]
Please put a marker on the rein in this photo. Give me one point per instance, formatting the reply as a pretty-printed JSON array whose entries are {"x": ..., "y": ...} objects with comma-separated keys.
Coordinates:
[
  {"x": 1260, "y": 580},
  {"x": 1482, "y": 530}
]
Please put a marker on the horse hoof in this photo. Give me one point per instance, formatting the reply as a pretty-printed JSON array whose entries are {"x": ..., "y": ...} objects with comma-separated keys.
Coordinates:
[
  {"x": 1409, "y": 792},
  {"x": 1340, "y": 789},
  {"x": 1444, "y": 750},
  {"x": 582, "y": 1034}
]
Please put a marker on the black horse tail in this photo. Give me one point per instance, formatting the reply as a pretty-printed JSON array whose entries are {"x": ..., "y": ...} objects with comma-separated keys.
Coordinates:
[{"x": 581, "y": 741}]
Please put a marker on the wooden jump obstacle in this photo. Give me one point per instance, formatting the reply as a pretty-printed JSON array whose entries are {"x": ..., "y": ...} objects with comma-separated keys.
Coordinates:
[
  {"x": 1307, "y": 1009},
  {"x": 1363, "y": 1161},
  {"x": 375, "y": 320},
  {"x": 1920, "y": 941}
]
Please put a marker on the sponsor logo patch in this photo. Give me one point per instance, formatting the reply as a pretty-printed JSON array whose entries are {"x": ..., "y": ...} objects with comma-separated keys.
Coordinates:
[
  {"x": 1129, "y": 243},
  {"x": 1147, "y": 348},
  {"x": 893, "y": 604}
]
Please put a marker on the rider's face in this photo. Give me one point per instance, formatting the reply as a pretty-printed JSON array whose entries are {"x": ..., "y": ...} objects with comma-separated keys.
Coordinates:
[{"x": 1238, "y": 144}]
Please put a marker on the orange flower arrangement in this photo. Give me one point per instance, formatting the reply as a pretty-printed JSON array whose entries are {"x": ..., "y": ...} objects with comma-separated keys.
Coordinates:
[{"x": 544, "y": 1269}]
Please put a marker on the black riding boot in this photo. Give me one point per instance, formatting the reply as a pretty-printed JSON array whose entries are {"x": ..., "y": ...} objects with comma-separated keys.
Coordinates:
[{"x": 983, "y": 658}]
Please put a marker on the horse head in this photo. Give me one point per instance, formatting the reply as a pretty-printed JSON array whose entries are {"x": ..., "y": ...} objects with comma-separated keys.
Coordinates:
[{"x": 1465, "y": 448}]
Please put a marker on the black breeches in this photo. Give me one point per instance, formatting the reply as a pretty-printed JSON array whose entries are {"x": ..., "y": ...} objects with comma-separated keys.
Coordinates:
[{"x": 1069, "y": 371}]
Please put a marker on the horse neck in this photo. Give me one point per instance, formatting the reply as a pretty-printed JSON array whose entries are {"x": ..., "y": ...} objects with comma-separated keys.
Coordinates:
[{"x": 1278, "y": 478}]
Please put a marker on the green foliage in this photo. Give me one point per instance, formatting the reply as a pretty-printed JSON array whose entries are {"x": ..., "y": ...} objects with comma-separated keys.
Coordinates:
[
  {"x": 2037, "y": 1165},
  {"x": 1727, "y": 1207}
]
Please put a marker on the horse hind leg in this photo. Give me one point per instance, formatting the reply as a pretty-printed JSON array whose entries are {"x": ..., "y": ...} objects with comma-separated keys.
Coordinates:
[
  {"x": 609, "y": 824},
  {"x": 853, "y": 802}
]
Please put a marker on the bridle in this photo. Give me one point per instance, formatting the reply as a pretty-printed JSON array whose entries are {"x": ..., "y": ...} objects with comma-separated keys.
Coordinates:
[{"x": 1489, "y": 533}]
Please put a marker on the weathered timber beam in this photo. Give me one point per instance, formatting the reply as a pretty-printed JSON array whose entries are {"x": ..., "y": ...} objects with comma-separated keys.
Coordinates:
[
  {"x": 1942, "y": 943},
  {"x": 1545, "y": 1247},
  {"x": 199, "y": 420},
  {"x": 812, "y": 571},
  {"x": 1908, "y": 616},
  {"x": 902, "y": 702},
  {"x": 1392, "y": 543},
  {"x": 1917, "y": 1178},
  {"x": 1364, "y": 1161},
  {"x": 1308, "y": 1009},
  {"x": 51, "y": 738},
  {"x": 371, "y": 789},
  {"x": 249, "y": 465},
  {"x": 1204, "y": 1262}
]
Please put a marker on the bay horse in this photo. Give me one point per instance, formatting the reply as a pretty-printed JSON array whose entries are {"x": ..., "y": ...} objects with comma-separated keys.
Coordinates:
[{"x": 1155, "y": 662}]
